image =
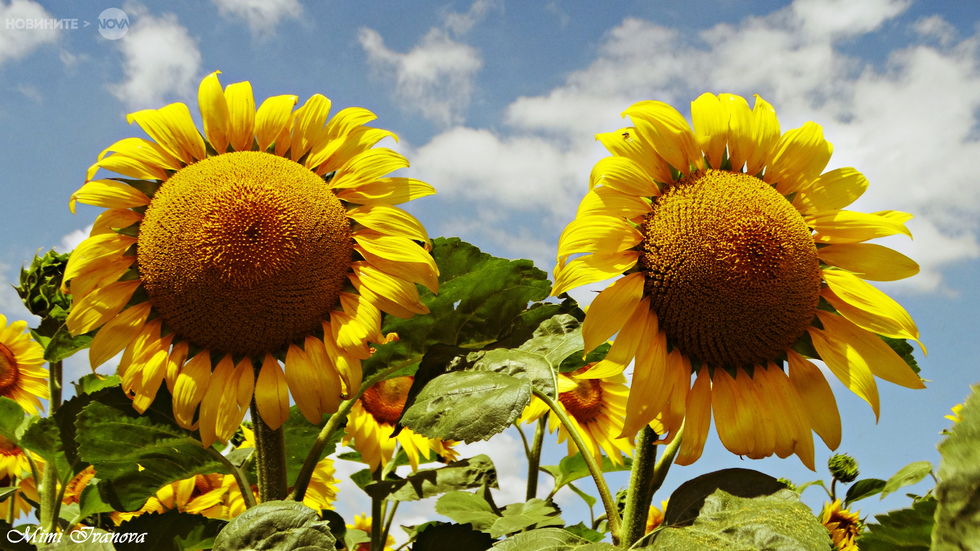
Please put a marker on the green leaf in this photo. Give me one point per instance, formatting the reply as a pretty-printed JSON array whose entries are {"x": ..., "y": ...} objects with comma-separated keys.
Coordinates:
[
  {"x": 13, "y": 419},
  {"x": 586, "y": 533},
  {"x": 863, "y": 488},
  {"x": 904, "y": 530},
  {"x": 462, "y": 536},
  {"x": 118, "y": 445},
  {"x": 169, "y": 530},
  {"x": 958, "y": 513},
  {"x": 689, "y": 497},
  {"x": 90, "y": 502},
  {"x": 482, "y": 301},
  {"x": 44, "y": 438},
  {"x": 907, "y": 476},
  {"x": 518, "y": 516},
  {"x": 94, "y": 382},
  {"x": 572, "y": 468},
  {"x": 300, "y": 436},
  {"x": 550, "y": 539},
  {"x": 467, "y": 508},
  {"x": 362, "y": 478},
  {"x": 7, "y": 492},
  {"x": 458, "y": 475},
  {"x": 279, "y": 525},
  {"x": 467, "y": 406},
  {"x": 575, "y": 361},
  {"x": 726, "y": 522},
  {"x": 62, "y": 345},
  {"x": 589, "y": 500}
]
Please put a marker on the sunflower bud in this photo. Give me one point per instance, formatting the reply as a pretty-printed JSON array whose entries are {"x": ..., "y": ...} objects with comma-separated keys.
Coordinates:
[{"x": 843, "y": 467}]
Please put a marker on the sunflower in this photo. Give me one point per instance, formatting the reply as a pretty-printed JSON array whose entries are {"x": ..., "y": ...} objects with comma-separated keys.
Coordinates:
[
  {"x": 13, "y": 460},
  {"x": 363, "y": 523},
  {"x": 736, "y": 259},
  {"x": 271, "y": 238},
  {"x": 22, "y": 378},
  {"x": 25, "y": 489},
  {"x": 372, "y": 421},
  {"x": 595, "y": 406},
  {"x": 73, "y": 492},
  {"x": 655, "y": 517},
  {"x": 843, "y": 525}
]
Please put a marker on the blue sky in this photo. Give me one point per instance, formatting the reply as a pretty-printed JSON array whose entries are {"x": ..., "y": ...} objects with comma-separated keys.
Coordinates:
[{"x": 497, "y": 104}]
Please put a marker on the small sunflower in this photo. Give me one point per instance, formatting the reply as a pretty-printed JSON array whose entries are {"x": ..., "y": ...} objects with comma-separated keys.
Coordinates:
[
  {"x": 595, "y": 406},
  {"x": 25, "y": 489},
  {"x": 655, "y": 517},
  {"x": 955, "y": 415},
  {"x": 735, "y": 256},
  {"x": 843, "y": 525},
  {"x": 13, "y": 460},
  {"x": 73, "y": 492},
  {"x": 271, "y": 238},
  {"x": 363, "y": 523},
  {"x": 22, "y": 377},
  {"x": 372, "y": 421}
]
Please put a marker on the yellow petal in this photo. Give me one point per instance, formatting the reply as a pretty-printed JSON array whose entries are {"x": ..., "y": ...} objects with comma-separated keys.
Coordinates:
[
  {"x": 895, "y": 216},
  {"x": 398, "y": 256},
  {"x": 388, "y": 289},
  {"x": 145, "y": 151},
  {"x": 340, "y": 151},
  {"x": 698, "y": 420},
  {"x": 173, "y": 128},
  {"x": 591, "y": 268},
  {"x": 389, "y": 220},
  {"x": 844, "y": 226},
  {"x": 100, "y": 274},
  {"x": 241, "y": 113},
  {"x": 237, "y": 397},
  {"x": 798, "y": 158},
  {"x": 865, "y": 320},
  {"x": 109, "y": 194},
  {"x": 605, "y": 201},
  {"x": 178, "y": 356},
  {"x": 741, "y": 141},
  {"x": 273, "y": 116},
  {"x": 710, "y": 120},
  {"x": 597, "y": 234},
  {"x": 854, "y": 291},
  {"x": 348, "y": 367},
  {"x": 190, "y": 387},
  {"x": 626, "y": 143},
  {"x": 847, "y": 365},
  {"x": 648, "y": 390},
  {"x": 666, "y": 130},
  {"x": 390, "y": 191},
  {"x": 302, "y": 382},
  {"x": 99, "y": 306},
  {"x": 757, "y": 415},
  {"x": 214, "y": 112},
  {"x": 832, "y": 191},
  {"x": 730, "y": 415},
  {"x": 308, "y": 125},
  {"x": 118, "y": 333},
  {"x": 605, "y": 317},
  {"x": 869, "y": 261},
  {"x": 328, "y": 384},
  {"x": 127, "y": 166},
  {"x": 641, "y": 326},
  {"x": 96, "y": 249},
  {"x": 336, "y": 132},
  {"x": 624, "y": 175},
  {"x": 817, "y": 398},
  {"x": 115, "y": 219},
  {"x": 367, "y": 167},
  {"x": 216, "y": 400},
  {"x": 272, "y": 393},
  {"x": 880, "y": 359},
  {"x": 765, "y": 135}
]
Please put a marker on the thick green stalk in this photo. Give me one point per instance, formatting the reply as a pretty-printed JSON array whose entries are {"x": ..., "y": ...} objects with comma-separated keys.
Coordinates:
[
  {"x": 640, "y": 491},
  {"x": 11, "y": 507},
  {"x": 270, "y": 459},
  {"x": 377, "y": 516},
  {"x": 50, "y": 505},
  {"x": 612, "y": 512},
  {"x": 534, "y": 459}
]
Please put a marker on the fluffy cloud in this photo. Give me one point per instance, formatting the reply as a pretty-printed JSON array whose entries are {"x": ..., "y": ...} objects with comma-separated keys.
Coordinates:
[
  {"x": 18, "y": 43},
  {"x": 262, "y": 16},
  {"x": 907, "y": 125},
  {"x": 435, "y": 78},
  {"x": 160, "y": 60}
]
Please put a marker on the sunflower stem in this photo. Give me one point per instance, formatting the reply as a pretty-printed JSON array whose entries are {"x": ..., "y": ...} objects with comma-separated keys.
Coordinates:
[
  {"x": 388, "y": 522},
  {"x": 12, "y": 507},
  {"x": 239, "y": 475},
  {"x": 306, "y": 472},
  {"x": 534, "y": 459},
  {"x": 608, "y": 502},
  {"x": 50, "y": 505},
  {"x": 377, "y": 515},
  {"x": 270, "y": 464},
  {"x": 640, "y": 492}
]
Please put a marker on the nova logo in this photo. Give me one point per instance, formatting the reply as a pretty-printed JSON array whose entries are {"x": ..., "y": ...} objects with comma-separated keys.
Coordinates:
[{"x": 113, "y": 23}]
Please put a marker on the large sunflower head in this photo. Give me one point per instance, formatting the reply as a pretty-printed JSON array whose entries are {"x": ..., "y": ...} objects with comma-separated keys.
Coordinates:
[
  {"x": 738, "y": 262},
  {"x": 273, "y": 237},
  {"x": 372, "y": 421},
  {"x": 595, "y": 406},
  {"x": 22, "y": 377}
]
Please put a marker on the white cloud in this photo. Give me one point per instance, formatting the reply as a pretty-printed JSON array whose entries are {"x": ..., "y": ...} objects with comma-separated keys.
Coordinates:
[
  {"x": 19, "y": 43},
  {"x": 435, "y": 78},
  {"x": 161, "y": 60},
  {"x": 909, "y": 126},
  {"x": 262, "y": 16},
  {"x": 73, "y": 239}
]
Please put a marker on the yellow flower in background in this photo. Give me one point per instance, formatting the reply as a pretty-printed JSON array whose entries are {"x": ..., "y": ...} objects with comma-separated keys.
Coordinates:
[
  {"x": 955, "y": 417},
  {"x": 363, "y": 523},
  {"x": 655, "y": 517},
  {"x": 22, "y": 377},
  {"x": 372, "y": 421},
  {"x": 733, "y": 254},
  {"x": 274, "y": 237},
  {"x": 73, "y": 493},
  {"x": 25, "y": 489},
  {"x": 843, "y": 525},
  {"x": 595, "y": 406},
  {"x": 13, "y": 460}
]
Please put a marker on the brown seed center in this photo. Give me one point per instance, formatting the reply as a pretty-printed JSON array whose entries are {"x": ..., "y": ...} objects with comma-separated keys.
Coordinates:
[
  {"x": 9, "y": 372},
  {"x": 584, "y": 402},
  {"x": 386, "y": 400}
]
